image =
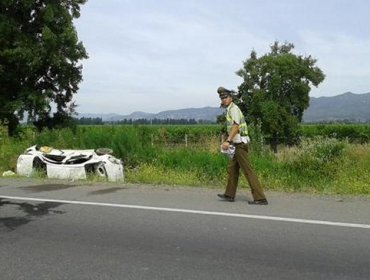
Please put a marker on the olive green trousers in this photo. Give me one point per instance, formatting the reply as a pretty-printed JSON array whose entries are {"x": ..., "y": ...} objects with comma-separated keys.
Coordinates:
[{"x": 241, "y": 161}]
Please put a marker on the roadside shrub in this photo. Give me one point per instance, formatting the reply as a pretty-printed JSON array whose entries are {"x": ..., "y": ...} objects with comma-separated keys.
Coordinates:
[
  {"x": 315, "y": 157},
  {"x": 160, "y": 155},
  {"x": 354, "y": 175}
]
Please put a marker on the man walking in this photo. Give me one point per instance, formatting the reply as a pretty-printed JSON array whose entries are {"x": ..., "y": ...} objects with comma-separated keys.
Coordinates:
[{"x": 238, "y": 137}]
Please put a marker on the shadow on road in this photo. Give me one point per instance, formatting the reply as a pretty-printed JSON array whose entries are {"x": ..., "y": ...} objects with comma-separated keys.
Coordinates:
[
  {"x": 28, "y": 212},
  {"x": 106, "y": 191}
]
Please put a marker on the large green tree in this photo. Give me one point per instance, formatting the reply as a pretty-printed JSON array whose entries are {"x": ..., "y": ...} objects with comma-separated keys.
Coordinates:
[
  {"x": 39, "y": 61},
  {"x": 275, "y": 91}
]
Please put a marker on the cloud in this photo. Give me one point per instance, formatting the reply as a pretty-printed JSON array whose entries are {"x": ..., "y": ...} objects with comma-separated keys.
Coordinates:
[
  {"x": 343, "y": 58},
  {"x": 148, "y": 55}
]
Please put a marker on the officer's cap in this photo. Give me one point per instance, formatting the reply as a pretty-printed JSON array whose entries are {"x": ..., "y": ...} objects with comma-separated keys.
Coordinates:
[{"x": 223, "y": 92}]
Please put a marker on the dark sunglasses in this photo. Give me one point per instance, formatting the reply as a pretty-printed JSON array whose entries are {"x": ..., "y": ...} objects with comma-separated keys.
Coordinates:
[{"x": 224, "y": 97}]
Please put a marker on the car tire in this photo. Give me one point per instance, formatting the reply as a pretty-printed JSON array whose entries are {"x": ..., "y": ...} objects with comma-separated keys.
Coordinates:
[
  {"x": 39, "y": 165},
  {"x": 100, "y": 170},
  {"x": 103, "y": 151}
]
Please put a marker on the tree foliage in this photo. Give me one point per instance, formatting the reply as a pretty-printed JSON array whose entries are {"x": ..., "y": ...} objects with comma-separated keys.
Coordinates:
[
  {"x": 275, "y": 91},
  {"x": 39, "y": 61}
]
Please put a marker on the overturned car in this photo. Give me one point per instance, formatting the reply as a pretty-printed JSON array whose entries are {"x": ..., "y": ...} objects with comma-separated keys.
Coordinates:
[{"x": 70, "y": 164}]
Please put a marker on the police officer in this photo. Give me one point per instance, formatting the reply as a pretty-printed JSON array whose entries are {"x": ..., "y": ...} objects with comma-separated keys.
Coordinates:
[{"x": 238, "y": 137}]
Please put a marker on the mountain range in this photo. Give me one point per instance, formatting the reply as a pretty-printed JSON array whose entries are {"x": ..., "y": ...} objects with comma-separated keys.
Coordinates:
[
  {"x": 344, "y": 107},
  {"x": 347, "y": 106}
]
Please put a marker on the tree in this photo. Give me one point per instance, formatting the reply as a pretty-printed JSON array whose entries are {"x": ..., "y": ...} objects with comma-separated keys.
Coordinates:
[
  {"x": 275, "y": 91},
  {"x": 39, "y": 56}
]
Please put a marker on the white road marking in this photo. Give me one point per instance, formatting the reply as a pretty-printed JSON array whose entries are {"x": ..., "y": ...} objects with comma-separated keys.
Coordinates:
[{"x": 189, "y": 211}]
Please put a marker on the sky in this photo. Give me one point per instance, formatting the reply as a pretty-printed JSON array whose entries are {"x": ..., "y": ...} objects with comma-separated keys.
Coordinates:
[{"x": 157, "y": 55}]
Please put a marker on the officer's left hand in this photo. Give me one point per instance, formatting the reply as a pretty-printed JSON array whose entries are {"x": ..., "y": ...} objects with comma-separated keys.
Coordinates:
[{"x": 225, "y": 145}]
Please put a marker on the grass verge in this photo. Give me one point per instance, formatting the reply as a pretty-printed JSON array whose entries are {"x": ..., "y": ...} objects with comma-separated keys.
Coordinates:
[{"x": 317, "y": 165}]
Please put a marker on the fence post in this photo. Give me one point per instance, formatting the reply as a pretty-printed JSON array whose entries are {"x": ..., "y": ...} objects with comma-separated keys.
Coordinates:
[
  {"x": 152, "y": 139},
  {"x": 186, "y": 140}
]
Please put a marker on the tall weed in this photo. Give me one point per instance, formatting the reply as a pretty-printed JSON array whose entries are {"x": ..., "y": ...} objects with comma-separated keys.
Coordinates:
[
  {"x": 160, "y": 155},
  {"x": 314, "y": 157},
  {"x": 354, "y": 175}
]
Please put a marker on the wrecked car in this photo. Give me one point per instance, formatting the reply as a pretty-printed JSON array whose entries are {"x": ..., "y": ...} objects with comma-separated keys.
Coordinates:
[{"x": 70, "y": 164}]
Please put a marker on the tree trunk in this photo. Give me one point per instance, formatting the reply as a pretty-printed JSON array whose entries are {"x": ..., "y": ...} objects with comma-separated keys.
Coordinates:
[
  {"x": 274, "y": 144},
  {"x": 13, "y": 123}
]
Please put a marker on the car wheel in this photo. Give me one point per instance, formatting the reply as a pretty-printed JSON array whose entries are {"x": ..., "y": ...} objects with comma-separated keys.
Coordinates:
[
  {"x": 100, "y": 170},
  {"x": 39, "y": 165},
  {"x": 103, "y": 151}
]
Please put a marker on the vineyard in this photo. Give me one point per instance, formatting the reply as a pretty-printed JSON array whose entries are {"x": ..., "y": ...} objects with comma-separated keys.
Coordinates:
[{"x": 329, "y": 159}]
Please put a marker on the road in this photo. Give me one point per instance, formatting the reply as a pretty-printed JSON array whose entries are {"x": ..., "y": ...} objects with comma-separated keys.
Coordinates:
[{"x": 65, "y": 230}]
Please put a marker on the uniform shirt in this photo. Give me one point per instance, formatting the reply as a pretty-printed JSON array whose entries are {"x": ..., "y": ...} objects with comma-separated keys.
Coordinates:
[{"x": 235, "y": 114}]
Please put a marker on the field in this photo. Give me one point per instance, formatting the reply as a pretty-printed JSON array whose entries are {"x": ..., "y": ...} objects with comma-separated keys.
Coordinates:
[{"x": 331, "y": 159}]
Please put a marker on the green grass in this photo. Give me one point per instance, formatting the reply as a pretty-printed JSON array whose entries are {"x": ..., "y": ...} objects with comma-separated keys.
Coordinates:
[
  {"x": 158, "y": 155},
  {"x": 156, "y": 174},
  {"x": 321, "y": 165}
]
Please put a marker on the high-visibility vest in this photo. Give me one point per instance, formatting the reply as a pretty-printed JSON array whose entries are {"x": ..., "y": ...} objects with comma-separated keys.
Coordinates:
[{"x": 243, "y": 129}]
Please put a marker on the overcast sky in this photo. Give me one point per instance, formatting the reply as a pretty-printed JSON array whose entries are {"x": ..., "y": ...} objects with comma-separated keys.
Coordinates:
[{"x": 156, "y": 55}]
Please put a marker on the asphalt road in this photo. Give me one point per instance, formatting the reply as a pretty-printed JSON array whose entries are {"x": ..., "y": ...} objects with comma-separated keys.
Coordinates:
[{"x": 64, "y": 230}]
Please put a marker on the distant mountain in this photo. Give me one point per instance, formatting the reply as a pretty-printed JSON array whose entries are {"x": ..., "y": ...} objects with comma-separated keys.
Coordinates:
[
  {"x": 347, "y": 106},
  {"x": 104, "y": 117},
  {"x": 205, "y": 114}
]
